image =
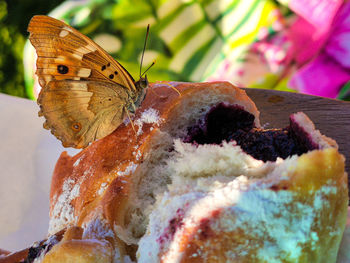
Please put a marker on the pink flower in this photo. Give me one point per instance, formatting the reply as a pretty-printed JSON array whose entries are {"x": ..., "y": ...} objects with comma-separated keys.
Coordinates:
[
  {"x": 323, "y": 53},
  {"x": 322, "y": 77},
  {"x": 338, "y": 45}
]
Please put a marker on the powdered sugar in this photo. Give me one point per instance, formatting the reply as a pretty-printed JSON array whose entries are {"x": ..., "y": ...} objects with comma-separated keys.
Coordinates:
[
  {"x": 130, "y": 169},
  {"x": 76, "y": 163},
  {"x": 137, "y": 153},
  {"x": 148, "y": 116},
  {"x": 274, "y": 216},
  {"x": 88, "y": 171},
  {"x": 63, "y": 212},
  {"x": 97, "y": 229},
  {"x": 103, "y": 188}
]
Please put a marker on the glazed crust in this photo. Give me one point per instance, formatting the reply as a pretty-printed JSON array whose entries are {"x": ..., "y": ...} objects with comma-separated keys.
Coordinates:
[{"x": 6, "y": 257}]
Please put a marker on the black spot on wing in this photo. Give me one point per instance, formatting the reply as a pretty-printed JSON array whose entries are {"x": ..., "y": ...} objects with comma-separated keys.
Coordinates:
[{"x": 62, "y": 69}]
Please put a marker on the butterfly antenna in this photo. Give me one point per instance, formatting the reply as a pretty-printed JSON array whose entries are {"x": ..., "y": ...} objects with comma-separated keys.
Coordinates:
[
  {"x": 143, "y": 51},
  {"x": 154, "y": 62}
]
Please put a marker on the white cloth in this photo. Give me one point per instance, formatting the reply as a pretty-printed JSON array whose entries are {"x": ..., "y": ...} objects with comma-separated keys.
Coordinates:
[{"x": 28, "y": 154}]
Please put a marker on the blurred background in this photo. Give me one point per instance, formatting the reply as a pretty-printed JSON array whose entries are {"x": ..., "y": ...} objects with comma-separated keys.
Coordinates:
[
  {"x": 14, "y": 18},
  {"x": 294, "y": 45}
]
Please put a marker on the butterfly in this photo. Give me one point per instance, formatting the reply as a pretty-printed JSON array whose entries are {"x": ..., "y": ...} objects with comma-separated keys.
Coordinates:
[{"x": 86, "y": 94}]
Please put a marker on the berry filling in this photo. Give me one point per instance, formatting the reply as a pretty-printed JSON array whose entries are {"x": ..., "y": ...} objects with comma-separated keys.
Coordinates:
[
  {"x": 232, "y": 123},
  {"x": 174, "y": 224}
]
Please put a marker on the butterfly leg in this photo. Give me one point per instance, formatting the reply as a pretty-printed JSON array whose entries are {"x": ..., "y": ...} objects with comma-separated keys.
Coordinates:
[{"x": 132, "y": 123}]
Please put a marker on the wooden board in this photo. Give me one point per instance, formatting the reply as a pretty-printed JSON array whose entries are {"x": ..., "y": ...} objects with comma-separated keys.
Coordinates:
[{"x": 330, "y": 116}]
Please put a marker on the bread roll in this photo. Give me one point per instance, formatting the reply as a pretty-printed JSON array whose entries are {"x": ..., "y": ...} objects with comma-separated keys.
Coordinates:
[{"x": 199, "y": 180}]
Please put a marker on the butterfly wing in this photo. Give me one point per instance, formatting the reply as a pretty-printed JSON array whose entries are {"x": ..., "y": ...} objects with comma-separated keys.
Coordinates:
[
  {"x": 65, "y": 53},
  {"x": 85, "y": 92},
  {"x": 79, "y": 112}
]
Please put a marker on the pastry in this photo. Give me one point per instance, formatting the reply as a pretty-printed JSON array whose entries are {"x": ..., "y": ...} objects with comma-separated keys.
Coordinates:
[{"x": 200, "y": 181}]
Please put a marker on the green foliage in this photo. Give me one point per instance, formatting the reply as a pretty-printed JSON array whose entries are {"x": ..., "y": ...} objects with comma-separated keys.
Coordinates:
[
  {"x": 14, "y": 18},
  {"x": 11, "y": 48},
  {"x": 344, "y": 93}
]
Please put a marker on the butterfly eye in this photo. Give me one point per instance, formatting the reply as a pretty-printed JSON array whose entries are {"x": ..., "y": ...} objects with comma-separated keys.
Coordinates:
[
  {"x": 144, "y": 82},
  {"x": 76, "y": 126}
]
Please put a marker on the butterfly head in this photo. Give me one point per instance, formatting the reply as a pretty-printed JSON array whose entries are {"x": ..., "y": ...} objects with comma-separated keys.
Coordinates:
[
  {"x": 143, "y": 82},
  {"x": 141, "y": 87}
]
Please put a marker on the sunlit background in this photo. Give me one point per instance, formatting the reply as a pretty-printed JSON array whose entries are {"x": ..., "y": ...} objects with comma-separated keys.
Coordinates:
[{"x": 294, "y": 45}]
